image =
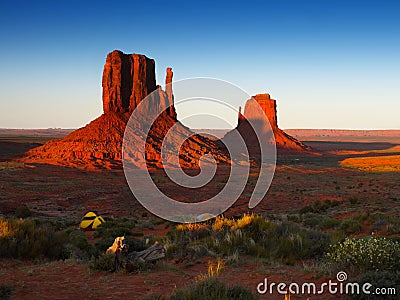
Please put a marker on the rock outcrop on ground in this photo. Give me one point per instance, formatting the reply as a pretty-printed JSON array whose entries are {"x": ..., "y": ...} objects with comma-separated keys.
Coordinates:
[{"x": 127, "y": 80}]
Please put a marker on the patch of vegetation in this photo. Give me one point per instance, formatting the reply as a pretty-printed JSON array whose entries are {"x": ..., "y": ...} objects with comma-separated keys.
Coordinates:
[
  {"x": 104, "y": 262},
  {"x": 213, "y": 289},
  {"x": 382, "y": 279},
  {"x": 365, "y": 254},
  {"x": 318, "y": 206},
  {"x": 77, "y": 246},
  {"x": 208, "y": 286},
  {"x": 350, "y": 226},
  {"x": 113, "y": 228},
  {"x": 35, "y": 239},
  {"x": 23, "y": 211},
  {"x": 252, "y": 235},
  {"x": 30, "y": 239},
  {"x": 315, "y": 221}
]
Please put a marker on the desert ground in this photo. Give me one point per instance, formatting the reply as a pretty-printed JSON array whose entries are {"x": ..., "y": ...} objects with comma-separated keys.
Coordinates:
[{"x": 351, "y": 189}]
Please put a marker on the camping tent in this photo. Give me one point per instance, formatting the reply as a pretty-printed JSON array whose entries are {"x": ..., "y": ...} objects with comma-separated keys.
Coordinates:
[{"x": 90, "y": 221}]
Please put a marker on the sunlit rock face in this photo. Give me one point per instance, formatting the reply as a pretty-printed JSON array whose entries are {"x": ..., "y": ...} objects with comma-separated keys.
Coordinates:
[
  {"x": 253, "y": 113},
  {"x": 127, "y": 80}
]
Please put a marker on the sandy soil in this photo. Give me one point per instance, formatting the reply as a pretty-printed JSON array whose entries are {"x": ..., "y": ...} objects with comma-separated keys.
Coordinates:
[{"x": 61, "y": 192}]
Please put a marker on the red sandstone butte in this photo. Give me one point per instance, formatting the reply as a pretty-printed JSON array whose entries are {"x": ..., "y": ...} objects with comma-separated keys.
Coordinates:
[
  {"x": 127, "y": 80},
  {"x": 285, "y": 143}
]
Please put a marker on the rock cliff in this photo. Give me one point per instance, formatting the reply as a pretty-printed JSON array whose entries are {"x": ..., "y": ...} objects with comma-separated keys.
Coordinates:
[
  {"x": 285, "y": 143},
  {"x": 127, "y": 80}
]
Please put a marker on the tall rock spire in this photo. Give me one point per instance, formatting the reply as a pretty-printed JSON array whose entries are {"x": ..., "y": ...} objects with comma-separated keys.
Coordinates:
[{"x": 168, "y": 90}]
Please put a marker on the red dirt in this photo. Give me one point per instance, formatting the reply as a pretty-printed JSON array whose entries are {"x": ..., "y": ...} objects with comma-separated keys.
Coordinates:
[
  {"x": 67, "y": 193},
  {"x": 70, "y": 280}
]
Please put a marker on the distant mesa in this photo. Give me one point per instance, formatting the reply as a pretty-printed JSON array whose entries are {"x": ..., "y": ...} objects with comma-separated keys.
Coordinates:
[
  {"x": 127, "y": 80},
  {"x": 259, "y": 104}
]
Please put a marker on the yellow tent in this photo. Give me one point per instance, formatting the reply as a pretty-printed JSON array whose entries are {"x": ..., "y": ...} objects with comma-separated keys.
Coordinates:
[{"x": 90, "y": 221}]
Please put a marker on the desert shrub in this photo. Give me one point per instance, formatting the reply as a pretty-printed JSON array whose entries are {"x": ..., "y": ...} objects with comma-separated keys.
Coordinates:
[
  {"x": 353, "y": 200},
  {"x": 312, "y": 220},
  {"x": 365, "y": 254},
  {"x": 104, "y": 262},
  {"x": 77, "y": 246},
  {"x": 23, "y": 211},
  {"x": 294, "y": 218},
  {"x": 5, "y": 291},
  {"x": 318, "y": 206},
  {"x": 328, "y": 223},
  {"x": 394, "y": 224},
  {"x": 112, "y": 230},
  {"x": 306, "y": 209},
  {"x": 30, "y": 239},
  {"x": 350, "y": 226},
  {"x": 381, "y": 279},
  {"x": 381, "y": 221},
  {"x": 103, "y": 244},
  {"x": 362, "y": 217},
  {"x": 213, "y": 289},
  {"x": 253, "y": 235}
]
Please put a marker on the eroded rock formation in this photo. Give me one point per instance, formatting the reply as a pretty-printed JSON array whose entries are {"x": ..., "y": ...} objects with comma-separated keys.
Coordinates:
[
  {"x": 127, "y": 80},
  {"x": 284, "y": 142}
]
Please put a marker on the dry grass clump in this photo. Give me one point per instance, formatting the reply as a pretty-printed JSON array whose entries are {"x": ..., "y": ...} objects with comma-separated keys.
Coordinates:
[
  {"x": 213, "y": 270},
  {"x": 191, "y": 226},
  {"x": 222, "y": 222},
  {"x": 5, "y": 228}
]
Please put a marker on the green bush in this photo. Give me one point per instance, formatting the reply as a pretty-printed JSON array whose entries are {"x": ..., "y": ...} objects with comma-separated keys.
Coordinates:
[
  {"x": 30, "y": 239},
  {"x": 312, "y": 220},
  {"x": 115, "y": 227},
  {"x": 213, "y": 289},
  {"x": 350, "y": 226},
  {"x": 365, "y": 254},
  {"x": 104, "y": 262},
  {"x": 23, "y": 211},
  {"x": 380, "y": 279},
  {"x": 294, "y": 218},
  {"x": 35, "y": 239},
  {"x": 329, "y": 223},
  {"x": 77, "y": 246},
  {"x": 318, "y": 206},
  {"x": 306, "y": 209}
]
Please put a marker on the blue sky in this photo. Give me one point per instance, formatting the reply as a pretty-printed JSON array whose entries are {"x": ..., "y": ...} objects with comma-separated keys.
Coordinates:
[{"x": 330, "y": 64}]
